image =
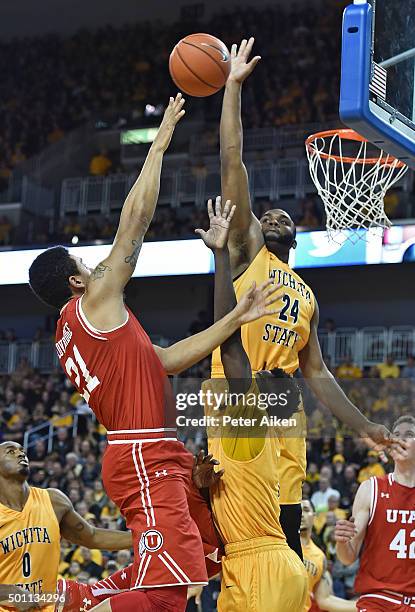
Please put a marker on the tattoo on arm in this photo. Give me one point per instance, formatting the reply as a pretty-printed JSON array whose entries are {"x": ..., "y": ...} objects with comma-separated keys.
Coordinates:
[
  {"x": 99, "y": 271},
  {"x": 132, "y": 259}
]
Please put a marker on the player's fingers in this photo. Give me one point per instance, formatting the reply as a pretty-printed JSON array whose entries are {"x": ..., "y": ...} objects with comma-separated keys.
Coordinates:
[
  {"x": 218, "y": 475},
  {"x": 249, "y": 46},
  {"x": 264, "y": 286},
  {"x": 231, "y": 214},
  {"x": 218, "y": 206},
  {"x": 242, "y": 47},
  {"x": 251, "y": 289},
  {"x": 207, "y": 458},
  {"x": 225, "y": 210},
  {"x": 178, "y": 97},
  {"x": 254, "y": 61},
  {"x": 234, "y": 50},
  {"x": 201, "y": 233},
  {"x": 272, "y": 290},
  {"x": 180, "y": 115},
  {"x": 210, "y": 208}
]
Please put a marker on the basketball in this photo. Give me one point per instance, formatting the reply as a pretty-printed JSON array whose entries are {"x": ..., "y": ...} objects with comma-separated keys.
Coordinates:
[{"x": 200, "y": 64}]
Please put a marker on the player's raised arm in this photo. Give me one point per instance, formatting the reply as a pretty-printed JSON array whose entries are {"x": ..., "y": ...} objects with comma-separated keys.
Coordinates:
[
  {"x": 189, "y": 351},
  {"x": 246, "y": 237},
  {"x": 111, "y": 275},
  {"x": 234, "y": 358},
  {"x": 350, "y": 534},
  {"x": 77, "y": 530},
  {"x": 323, "y": 384}
]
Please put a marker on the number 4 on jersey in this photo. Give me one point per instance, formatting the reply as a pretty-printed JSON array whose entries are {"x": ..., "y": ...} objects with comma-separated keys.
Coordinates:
[
  {"x": 71, "y": 367},
  {"x": 399, "y": 544}
]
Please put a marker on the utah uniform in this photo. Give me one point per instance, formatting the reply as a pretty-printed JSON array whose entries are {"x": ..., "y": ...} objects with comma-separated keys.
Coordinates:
[
  {"x": 275, "y": 341},
  {"x": 30, "y": 547},
  {"x": 146, "y": 471},
  {"x": 386, "y": 578}
]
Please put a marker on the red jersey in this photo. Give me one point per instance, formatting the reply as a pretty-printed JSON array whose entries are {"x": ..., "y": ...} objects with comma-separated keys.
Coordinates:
[
  {"x": 117, "y": 371},
  {"x": 146, "y": 471},
  {"x": 388, "y": 558}
]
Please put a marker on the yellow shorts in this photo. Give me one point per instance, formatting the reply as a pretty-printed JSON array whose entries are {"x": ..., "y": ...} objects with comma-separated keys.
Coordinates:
[
  {"x": 262, "y": 574},
  {"x": 292, "y": 464}
]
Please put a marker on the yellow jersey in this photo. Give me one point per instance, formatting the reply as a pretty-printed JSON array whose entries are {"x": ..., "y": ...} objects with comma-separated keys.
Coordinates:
[
  {"x": 30, "y": 546},
  {"x": 245, "y": 502},
  {"x": 314, "y": 563},
  {"x": 274, "y": 341}
]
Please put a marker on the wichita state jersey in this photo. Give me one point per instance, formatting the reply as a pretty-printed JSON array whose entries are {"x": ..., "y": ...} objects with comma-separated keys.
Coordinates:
[
  {"x": 30, "y": 546},
  {"x": 274, "y": 341},
  {"x": 314, "y": 563}
]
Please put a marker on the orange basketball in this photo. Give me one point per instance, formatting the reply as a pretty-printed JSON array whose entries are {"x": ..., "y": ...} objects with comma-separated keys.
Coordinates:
[{"x": 200, "y": 64}]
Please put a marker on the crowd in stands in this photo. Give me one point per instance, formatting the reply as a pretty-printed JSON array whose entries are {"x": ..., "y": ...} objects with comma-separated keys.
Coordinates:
[
  {"x": 168, "y": 224},
  {"x": 51, "y": 84}
]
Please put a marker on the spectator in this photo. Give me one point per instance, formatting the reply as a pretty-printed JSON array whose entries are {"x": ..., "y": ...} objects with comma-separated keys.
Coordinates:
[
  {"x": 329, "y": 325},
  {"x": 123, "y": 558},
  {"x": 338, "y": 471},
  {"x": 388, "y": 369},
  {"x": 62, "y": 444},
  {"x": 373, "y": 468},
  {"x": 320, "y": 498},
  {"x": 408, "y": 371},
  {"x": 348, "y": 370},
  {"x": 88, "y": 565},
  {"x": 73, "y": 571},
  {"x": 100, "y": 163},
  {"x": 332, "y": 507}
]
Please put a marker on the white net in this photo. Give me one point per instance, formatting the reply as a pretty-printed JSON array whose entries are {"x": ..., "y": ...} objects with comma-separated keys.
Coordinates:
[{"x": 352, "y": 180}]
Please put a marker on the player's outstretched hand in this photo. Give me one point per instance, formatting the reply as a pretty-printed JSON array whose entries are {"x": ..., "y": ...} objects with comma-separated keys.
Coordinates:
[
  {"x": 256, "y": 301},
  {"x": 204, "y": 475},
  {"x": 345, "y": 531},
  {"x": 172, "y": 115},
  {"x": 220, "y": 219},
  {"x": 241, "y": 67},
  {"x": 377, "y": 437}
]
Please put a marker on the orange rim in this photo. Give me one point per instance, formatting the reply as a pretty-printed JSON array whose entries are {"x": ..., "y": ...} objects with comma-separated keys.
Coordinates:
[{"x": 345, "y": 134}]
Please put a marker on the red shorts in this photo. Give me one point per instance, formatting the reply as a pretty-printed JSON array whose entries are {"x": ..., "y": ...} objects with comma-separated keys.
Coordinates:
[
  {"x": 149, "y": 481},
  {"x": 385, "y": 601}
]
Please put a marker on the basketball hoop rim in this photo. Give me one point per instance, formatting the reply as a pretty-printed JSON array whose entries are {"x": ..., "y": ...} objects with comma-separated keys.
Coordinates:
[{"x": 347, "y": 134}]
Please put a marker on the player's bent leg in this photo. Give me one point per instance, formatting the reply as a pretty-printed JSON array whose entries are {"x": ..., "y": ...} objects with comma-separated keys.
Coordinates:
[
  {"x": 290, "y": 519},
  {"x": 170, "y": 599}
]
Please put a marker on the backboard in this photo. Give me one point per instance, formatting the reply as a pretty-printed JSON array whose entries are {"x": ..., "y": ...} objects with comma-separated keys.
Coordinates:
[{"x": 377, "y": 94}]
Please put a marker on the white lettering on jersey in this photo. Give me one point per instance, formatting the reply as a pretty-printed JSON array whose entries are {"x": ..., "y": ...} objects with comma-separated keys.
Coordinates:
[
  {"x": 62, "y": 344},
  {"x": 400, "y": 516}
]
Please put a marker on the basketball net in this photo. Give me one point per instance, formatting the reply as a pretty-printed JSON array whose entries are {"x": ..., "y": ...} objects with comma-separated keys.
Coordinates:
[{"x": 351, "y": 182}]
